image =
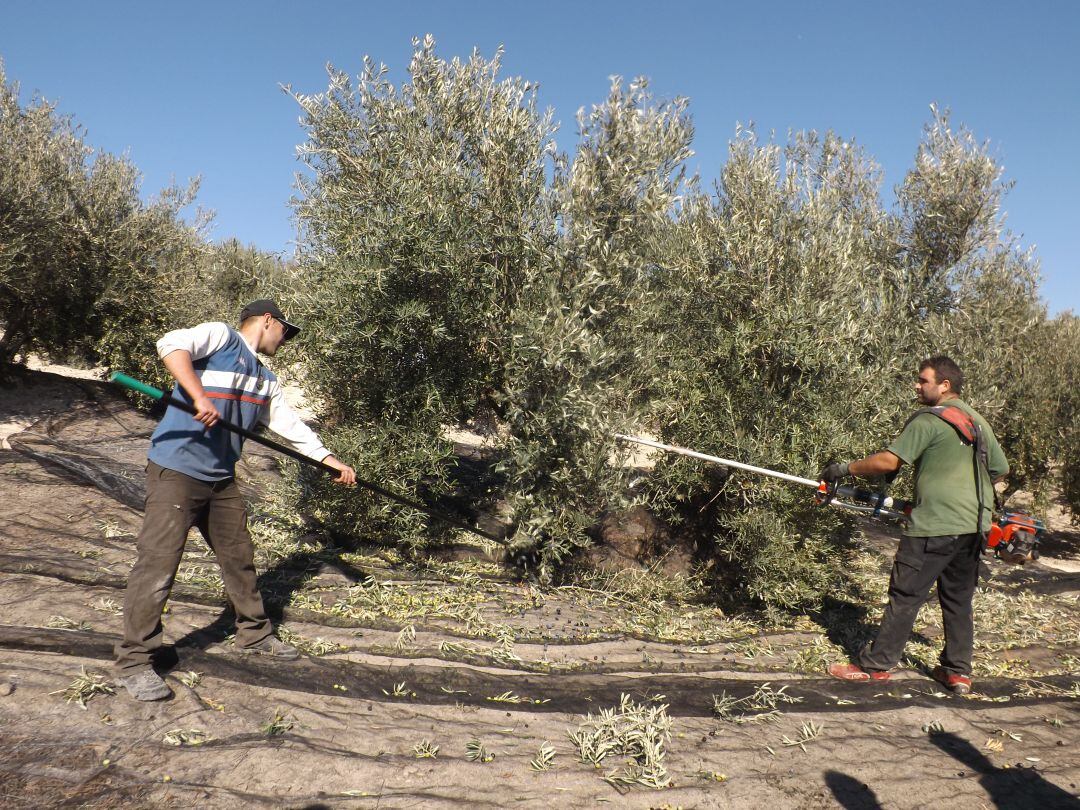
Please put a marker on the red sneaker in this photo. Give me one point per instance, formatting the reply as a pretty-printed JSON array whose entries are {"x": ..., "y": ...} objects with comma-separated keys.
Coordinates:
[
  {"x": 851, "y": 672},
  {"x": 957, "y": 684}
]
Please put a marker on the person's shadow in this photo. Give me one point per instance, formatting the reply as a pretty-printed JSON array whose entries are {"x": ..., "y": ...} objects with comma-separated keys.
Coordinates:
[
  {"x": 850, "y": 793},
  {"x": 1019, "y": 788},
  {"x": 845, "y": 624},
  {"x": 277, "y": 584}
]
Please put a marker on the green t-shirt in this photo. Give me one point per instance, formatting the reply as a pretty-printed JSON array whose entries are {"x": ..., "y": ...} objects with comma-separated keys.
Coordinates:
[{"x": 945, "y": 496}]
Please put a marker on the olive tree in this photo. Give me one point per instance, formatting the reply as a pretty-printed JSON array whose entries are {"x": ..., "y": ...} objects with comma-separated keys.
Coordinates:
[
  {"x": 802, "y": 305},
  {"x": 88, "y": 270},
  {"x": 425, "y": 210},
  {"x": 578, "y": 370},
  {"x": 785, "y": 311}
]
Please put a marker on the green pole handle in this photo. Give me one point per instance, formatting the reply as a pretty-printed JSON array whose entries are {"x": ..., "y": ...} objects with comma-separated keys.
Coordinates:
[{"x": 135, "y": 385}]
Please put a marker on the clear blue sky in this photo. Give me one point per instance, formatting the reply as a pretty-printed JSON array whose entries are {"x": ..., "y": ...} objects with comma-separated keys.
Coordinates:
[{"x": 193, "y": 88}]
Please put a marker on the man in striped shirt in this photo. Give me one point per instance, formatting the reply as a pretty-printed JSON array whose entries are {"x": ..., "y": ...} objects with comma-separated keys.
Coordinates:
[{"x": 191, "y": 482}]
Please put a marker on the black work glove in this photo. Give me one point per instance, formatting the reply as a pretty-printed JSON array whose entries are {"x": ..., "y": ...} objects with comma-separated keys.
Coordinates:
[{"x": 834, "y": 472}]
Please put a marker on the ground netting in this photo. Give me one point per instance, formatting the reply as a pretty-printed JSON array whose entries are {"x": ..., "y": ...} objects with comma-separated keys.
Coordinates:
[{"x": 401, "y": 658}]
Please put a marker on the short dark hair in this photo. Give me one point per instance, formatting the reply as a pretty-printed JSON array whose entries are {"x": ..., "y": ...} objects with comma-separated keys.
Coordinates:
[{"x": 945, "y": 368}]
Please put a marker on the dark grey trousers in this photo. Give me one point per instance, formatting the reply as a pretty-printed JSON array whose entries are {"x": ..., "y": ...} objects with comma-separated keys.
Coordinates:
[
  {"x": 174, "y": 503},
  {"x": 952, "y": 561}
]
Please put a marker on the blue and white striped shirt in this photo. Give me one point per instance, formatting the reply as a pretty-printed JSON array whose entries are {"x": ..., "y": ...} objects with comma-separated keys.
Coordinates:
[{"x": 245, "y": 393}]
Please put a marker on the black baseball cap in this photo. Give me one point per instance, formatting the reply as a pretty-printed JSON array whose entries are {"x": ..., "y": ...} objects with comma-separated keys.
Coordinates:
[{"x": 264, "y": 306}]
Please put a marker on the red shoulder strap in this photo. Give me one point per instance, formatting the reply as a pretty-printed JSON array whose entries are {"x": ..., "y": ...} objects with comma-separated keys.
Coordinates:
[
  {"x": 954, "y": 416},
  {"x": 958, "y": 419}
]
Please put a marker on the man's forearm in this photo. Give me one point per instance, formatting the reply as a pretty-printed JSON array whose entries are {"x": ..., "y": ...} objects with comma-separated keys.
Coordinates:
[
  {"x": 881, "y": 463},
  {"x": 179, "y": 365}
]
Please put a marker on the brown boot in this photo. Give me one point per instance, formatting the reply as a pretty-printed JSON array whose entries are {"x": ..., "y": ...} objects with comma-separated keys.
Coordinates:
[{"x": 272, "y": 647}]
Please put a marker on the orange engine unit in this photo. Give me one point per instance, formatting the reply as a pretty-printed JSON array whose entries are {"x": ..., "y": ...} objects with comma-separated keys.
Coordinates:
[{"x": 1014, "y": 536}]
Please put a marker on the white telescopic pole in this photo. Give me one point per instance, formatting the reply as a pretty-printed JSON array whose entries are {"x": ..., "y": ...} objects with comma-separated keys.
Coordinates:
[{"x": 682, "y": 451}]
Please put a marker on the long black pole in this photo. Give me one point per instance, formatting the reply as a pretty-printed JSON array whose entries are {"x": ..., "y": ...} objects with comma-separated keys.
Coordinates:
[{"x": 157, "y": 393}]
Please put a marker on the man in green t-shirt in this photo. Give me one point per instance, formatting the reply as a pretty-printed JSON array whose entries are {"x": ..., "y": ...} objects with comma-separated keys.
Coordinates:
[{"x": 944, "y": 536}]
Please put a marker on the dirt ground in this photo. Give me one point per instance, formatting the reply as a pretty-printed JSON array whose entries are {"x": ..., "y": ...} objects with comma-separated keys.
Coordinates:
[{"x": 405, "y": 657}]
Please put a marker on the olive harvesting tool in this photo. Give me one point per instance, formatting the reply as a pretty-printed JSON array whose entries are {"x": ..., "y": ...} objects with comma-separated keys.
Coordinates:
[
  {"x": 1013, "y": 536},
  {"x": 175, "y": 402}
]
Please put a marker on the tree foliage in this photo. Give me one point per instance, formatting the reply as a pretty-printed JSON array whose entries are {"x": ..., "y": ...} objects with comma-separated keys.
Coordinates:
[
  {"x": 577, "y": 368},
  {"x": 233, "y": 274},
  {"x": 453, "y": 258},
  {"x": 1054, "y": 389},
  {"x": 87, "y": 269},
  {"x": 443, "y": 273},
  {"x": 785, "y": 351},
  {"x": 805, "y": 306},
  {"x": 426, "y": 212}
]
